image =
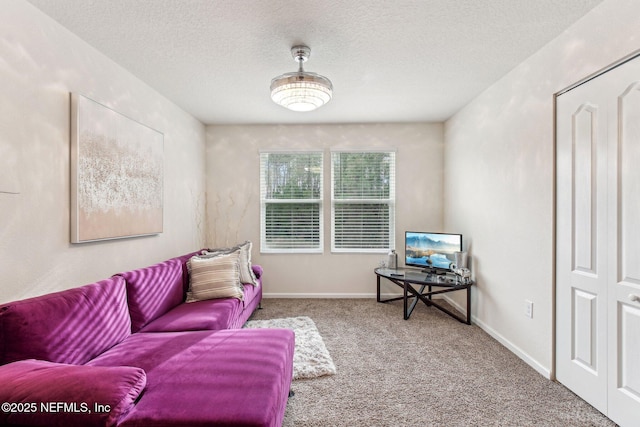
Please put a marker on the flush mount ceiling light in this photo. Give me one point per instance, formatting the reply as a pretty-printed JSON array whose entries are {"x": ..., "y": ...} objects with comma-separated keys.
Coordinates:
[{"x": 301, "y": 90}]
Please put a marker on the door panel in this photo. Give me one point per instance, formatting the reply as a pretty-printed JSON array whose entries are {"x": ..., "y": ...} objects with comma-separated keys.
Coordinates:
[
  {"x": 628, "y": 177},
  {"x": 584, "y": 330},
  {"x": 629, "y": 373},
  {"x": 584, "y": 197},
  {"x": 624, "y": 369},
  {"x": 581, "y": 246},
  {"x": 624, "y": 250}
]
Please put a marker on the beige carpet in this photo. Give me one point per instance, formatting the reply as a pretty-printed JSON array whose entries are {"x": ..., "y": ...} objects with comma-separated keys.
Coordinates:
[{"x": 430, "y": 370}]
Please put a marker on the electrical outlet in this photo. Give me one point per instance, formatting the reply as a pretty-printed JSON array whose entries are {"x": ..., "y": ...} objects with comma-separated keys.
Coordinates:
[{"x": 528, "y": 308}]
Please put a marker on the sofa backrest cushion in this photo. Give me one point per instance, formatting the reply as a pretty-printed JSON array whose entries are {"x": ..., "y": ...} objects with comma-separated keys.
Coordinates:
[
  {"x": 154, "y": 290},
  {"x": 71, "y": 326},
  {"x": 54, "y": 394}
]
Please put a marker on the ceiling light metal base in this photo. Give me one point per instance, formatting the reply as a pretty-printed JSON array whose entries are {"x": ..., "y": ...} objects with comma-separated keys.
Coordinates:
[{"x": 300, "y": 53}]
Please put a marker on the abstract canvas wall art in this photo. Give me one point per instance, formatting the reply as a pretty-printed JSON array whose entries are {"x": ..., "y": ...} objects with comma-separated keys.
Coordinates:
[{"x": 116, "y": 174}]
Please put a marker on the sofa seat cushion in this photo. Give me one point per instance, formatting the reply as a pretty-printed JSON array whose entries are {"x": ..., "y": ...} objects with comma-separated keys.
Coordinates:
[
  {"x": 71, "y": 326},
  {"x": 249, "y": 306},
  {"x": 93, "y": 395},
  {"x": 154, "y": 290},
  {"x": 231, "y": 377},
  {"x": 204, "y": 315},
  {"x": 209, "y": 315}
]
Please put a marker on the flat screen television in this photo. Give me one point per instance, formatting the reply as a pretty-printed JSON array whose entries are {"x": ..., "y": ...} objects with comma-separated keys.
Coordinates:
[{"x": 431, "y": 251}]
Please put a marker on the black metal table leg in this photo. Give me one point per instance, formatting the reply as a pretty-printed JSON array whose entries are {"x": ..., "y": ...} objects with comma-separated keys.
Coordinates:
[
  {"x": 468, "y": 306},
  {"x": 415, "y": 301},
  {"x": 406, "y": 314}
]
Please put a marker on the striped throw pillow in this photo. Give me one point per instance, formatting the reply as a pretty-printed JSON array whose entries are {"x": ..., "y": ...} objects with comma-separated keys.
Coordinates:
[
  {"x": 246, "y": 271},
  {"x": 216, "y": 277}
]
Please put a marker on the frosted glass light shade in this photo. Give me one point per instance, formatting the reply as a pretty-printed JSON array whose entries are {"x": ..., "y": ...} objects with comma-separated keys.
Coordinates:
[{"x": 301, "y": 91}]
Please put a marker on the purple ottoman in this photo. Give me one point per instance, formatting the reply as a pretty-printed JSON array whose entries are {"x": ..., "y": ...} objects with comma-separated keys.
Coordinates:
[{"x": 236, "y": 377}]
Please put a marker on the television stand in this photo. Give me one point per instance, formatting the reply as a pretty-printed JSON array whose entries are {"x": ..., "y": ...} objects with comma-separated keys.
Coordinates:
[{"x": 407, "y": 279}]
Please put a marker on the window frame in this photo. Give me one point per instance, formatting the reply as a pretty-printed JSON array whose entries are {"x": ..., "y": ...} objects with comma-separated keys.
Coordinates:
[
  {"x": 390, "y": 202},
  {"x": 264, "y": 202}
]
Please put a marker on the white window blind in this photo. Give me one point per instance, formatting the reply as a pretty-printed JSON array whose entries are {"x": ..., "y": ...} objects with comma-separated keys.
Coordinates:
[
  {"x": 362, "y": 201},
  {"x": 291, "y": 202}
]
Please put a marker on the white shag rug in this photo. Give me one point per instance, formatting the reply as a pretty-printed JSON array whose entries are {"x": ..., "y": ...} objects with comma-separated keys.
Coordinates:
[{"x": 311, "y": 358}]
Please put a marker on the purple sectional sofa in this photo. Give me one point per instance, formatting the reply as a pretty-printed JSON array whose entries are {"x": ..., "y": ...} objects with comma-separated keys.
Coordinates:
[{"x": 129, "y": 351}]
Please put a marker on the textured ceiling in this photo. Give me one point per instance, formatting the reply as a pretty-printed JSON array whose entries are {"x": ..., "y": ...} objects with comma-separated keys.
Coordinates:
[{"x": 389, "y": 61}]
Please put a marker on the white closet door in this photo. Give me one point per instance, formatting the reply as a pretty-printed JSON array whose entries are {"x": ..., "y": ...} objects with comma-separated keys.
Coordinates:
[
  {"x": 624, "y": 249},
  {"x": 581, "y": 257},
  {"x": 598, "y": 242}
]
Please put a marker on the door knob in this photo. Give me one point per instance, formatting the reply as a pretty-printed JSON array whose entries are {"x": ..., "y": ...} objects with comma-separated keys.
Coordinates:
[{"x": 634, "y": 297}]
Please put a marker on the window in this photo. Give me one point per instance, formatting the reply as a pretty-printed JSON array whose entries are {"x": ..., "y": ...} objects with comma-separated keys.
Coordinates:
[
  {"x": 362, "y": 201},
  {"x": 291, "y": 202}
]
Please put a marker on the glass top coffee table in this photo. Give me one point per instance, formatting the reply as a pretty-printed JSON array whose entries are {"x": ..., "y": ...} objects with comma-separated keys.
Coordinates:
[{"x": 414, "y": 283}]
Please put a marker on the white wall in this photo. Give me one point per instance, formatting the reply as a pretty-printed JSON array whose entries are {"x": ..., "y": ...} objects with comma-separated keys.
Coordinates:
[
  {"x": 499, "y": 166},
  {"x": 40, "y": 63},
  {"x": 496, "y": 180},
  {"x": 233, "y": 198}
]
